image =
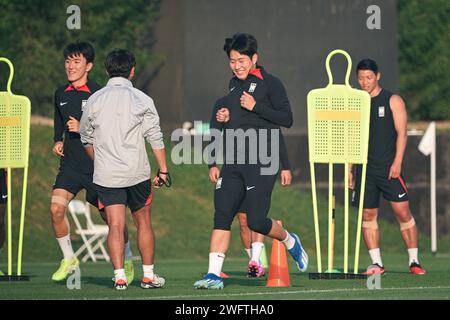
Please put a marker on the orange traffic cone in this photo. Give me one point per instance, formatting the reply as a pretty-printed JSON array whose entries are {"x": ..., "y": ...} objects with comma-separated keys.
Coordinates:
[
  {"x": 278, "y": 269},
  {"x": 223, "y": 275}
]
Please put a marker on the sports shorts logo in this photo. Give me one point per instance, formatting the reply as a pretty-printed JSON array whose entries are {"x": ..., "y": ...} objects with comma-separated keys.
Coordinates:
[
  {"x": 62, "y": 103},
  {"x": 232, "y": 89},
  {"x": 250, "y": 188},
  {"x": 219, "y": 184},
  {"x": 401, "y": 195},
  {"x": 252, "y": 87},
  {"x": 4, "y": 196},
  {"x": 381, "y": 111}
]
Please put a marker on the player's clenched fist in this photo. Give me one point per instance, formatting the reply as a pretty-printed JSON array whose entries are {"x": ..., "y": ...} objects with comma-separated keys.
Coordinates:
[
  {"x": 247, "y": 101},
  {"x": 214, "y": 174},
  {"x": 73, "y": 125},
  {"x": 286, "y": 177},
  {"x": 58, "y": 149},
  {"x": 223, "y": 115}
]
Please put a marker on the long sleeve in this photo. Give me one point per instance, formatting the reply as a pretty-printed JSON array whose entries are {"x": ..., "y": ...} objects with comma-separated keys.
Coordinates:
[
  {"x": 284, "y": 159},
  {"x": 58, "y": 126},
  {"x": 279, "y": 112},
  {"x": 214, "y": 125},
  {"x": 151, "y": 127},
  {"x": 86, "y": 128}
]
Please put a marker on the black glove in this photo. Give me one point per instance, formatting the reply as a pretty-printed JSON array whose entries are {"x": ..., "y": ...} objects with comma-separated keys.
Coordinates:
[{"x": 161, "y": 180}]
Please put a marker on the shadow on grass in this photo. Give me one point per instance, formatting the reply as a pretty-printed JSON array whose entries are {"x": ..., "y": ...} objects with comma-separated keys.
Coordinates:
[
  {"x": 99, "y": 281},
  {"x": 244, "y": 281}
]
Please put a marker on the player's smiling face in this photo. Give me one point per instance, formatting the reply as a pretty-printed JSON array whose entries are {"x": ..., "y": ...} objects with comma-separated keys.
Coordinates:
[
  {"x": 242, "y": 64},
  {"x": 77, "y": 69},
  {"x": 368, "y": 80}
]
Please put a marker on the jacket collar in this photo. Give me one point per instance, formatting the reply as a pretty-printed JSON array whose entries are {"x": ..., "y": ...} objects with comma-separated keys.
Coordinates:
[
  {"x": 257, "y": 73},
  {"x": 119, "y": 81},
  {"x": 84, "y": 88}
]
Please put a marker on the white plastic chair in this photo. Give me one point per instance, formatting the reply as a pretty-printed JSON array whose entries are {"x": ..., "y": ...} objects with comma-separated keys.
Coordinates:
[{"x": 93, "y": 233}]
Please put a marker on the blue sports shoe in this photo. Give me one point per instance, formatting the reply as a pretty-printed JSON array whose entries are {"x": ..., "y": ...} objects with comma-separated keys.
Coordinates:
[
  {"x": 299, "y": 254},
  {"x": 210, "y": 281}
]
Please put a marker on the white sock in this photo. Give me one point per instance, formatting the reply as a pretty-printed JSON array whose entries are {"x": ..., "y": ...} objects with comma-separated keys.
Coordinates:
[
  {"x": 148, "y": 271},
  {"x": 257, "y": 248},
  {"x": 249, "y": 253},
  {"x": 376, "y": 256},
  {"x": 119, "y": 274},
  {"x": 66, "y": 246},
  {"x": 128, "y": 253},
  {"x": 216, "y": 262},
  {"x": 413, "y": 255},
  {"x": 289, "y": 242}
]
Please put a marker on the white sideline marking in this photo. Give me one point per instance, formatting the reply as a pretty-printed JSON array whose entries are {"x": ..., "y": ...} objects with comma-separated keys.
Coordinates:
[{"x": 295, "y": 292}]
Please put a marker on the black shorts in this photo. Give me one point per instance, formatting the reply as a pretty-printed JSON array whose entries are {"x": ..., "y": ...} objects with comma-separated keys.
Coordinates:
[
  {"x": 243, "y": 208},
  {"x": 377, "y": 182},
  {"x": 3, "y": 187},
  {"x": 243, "y": 187},
  {"x": 73, "y": 181},
  {"x": 135, "y": 197}
]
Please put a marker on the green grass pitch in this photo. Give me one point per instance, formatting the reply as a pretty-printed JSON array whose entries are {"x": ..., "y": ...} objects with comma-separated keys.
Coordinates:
[{"x": 180, "y": 275}]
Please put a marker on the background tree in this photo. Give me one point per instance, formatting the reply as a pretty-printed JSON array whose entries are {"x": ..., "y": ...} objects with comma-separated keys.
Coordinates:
[
  {"x": 424, "y": 57},
  {"x": 33, "y": 34}
]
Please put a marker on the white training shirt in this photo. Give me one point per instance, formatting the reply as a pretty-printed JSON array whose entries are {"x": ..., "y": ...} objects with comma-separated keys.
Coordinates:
[{"x": 117, "y": 120}]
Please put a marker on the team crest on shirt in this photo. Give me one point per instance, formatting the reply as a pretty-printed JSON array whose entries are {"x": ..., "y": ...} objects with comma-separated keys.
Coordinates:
[
  {"x": 252, "y": 87},
  {"x": 219, "y": 184},
  {"x": 381, "y": 111}
]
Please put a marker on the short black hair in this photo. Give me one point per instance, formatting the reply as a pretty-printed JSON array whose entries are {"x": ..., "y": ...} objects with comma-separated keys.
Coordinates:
[
  {"x": 243, "y": 43},
  {"x": 367, "y": 64},
  {"x": 119, "y": 63},
  {"x": 77, "y": 48}
]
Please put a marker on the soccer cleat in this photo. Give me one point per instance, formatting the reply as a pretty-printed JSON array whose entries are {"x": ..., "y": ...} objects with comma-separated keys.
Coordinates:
[
  {"x": 374, "y": 269},
  {"x": 129, "y": 270},
  {"x": 156, "y": 282},
  {"x": 415, "y": 268},
  {"x": 210, "y": 281},
  {"x": 65, "y": 268},
  {"x": 255, "y": 270},
  {"x": 299, "y": 254},
  {"x": 120, "y": 285}
]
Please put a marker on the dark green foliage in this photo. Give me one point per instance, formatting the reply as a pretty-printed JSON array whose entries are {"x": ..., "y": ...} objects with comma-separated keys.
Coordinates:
[
  {"x": 33, "y": 34},
  {"x": 424, "y": 57}
]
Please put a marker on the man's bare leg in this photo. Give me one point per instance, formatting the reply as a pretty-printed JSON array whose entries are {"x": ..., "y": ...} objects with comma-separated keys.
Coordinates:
[
  {"x": 292, "y": 244},
  {"x": 277, "y": 232},
  {"x": 371, "y": 235},
  {"x": 220, "y": 241},
  {"x": 145, "y": 235},
  {"x": 146, "y": 245},
  {"x": 61, "y": 228},
  {"x": 60, "y": 223},
  {"x": 116, "y": 222},
  {"x": 404, "y": 218},
  {"x": 409, "y": 234},
  {"x": 125, "y": 234},
  {"x": 257, "y": 246},
  {"x": 245, "y": 233}
]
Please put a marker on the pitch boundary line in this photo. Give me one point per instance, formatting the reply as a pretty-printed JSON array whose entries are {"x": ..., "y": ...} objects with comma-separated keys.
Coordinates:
[{"x": 296, "y": 292}]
